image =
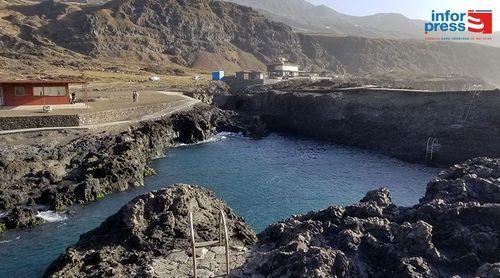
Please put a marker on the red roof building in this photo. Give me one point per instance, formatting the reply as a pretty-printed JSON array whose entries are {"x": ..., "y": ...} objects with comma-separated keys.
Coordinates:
[{"x": 35, "y": 92}]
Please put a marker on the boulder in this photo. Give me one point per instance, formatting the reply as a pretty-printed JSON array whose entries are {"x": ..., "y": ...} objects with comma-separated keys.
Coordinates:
[
  {"x": 20, "y": 218},
  {"x": 476, "y": 180},
  {"x": 148, "y": 227}
]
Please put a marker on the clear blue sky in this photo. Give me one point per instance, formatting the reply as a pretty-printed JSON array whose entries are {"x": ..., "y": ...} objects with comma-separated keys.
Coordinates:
[{"x": 419, "y": 9}]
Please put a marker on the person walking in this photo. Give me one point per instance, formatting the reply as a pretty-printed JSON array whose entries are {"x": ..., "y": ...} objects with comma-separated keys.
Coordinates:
[
  {"x": 135, "y": 96},
  {"x": 73, "y": 98}
]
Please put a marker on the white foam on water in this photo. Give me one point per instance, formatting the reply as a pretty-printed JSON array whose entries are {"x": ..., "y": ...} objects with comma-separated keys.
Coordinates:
[
  {"x": 215, "y": 138},
  {"x": 9, "y": 240},
  {"x": 52, "y": 216}
]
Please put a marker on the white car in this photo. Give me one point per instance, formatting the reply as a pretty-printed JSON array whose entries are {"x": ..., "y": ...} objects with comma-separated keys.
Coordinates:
[{"x": 196, "y": 77}]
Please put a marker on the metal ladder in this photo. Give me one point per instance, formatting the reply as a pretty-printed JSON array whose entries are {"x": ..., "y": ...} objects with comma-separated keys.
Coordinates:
[
  {"x": 222, "y": 229},
  {"x": 474, "y": 92},
  {"x": 431, "y": 148}
]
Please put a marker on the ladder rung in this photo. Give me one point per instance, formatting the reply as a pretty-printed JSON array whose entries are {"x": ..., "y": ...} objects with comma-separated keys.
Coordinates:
[{"x": 206, "y": 243}]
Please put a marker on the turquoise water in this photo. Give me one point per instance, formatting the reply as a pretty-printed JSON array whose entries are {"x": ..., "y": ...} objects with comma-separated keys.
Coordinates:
[{"x": 262, "y": 180}]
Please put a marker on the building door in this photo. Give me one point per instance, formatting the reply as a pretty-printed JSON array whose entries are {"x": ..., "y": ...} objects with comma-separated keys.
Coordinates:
[{"x": 1, "y": 97}]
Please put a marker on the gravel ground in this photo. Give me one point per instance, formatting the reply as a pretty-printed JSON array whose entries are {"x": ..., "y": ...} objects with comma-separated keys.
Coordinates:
[{"x": 103, "y": 101}]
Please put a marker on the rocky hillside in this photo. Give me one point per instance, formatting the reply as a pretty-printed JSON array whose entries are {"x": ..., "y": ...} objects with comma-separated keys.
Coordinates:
[
  {"x": 322, "y": 19},
  {"x": 454, "y": 230},
  {"x": 307, "y": 17},
  {"x": 395, "y": 57},
  {"x": 191, "y": 33},
  {"x": 52, "y": 37}
]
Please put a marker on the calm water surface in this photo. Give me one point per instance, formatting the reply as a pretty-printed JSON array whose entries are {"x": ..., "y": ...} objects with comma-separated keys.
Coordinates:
[{"x": 262, "y": 180}]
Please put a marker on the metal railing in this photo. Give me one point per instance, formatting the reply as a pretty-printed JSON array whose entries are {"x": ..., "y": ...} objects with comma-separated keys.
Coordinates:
[{"x": 223, "y": 240}]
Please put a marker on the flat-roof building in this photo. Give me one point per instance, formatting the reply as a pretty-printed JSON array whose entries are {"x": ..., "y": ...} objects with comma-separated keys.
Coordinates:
[
  {"x": 35, "y": 92},
  {"x": 282, "y": 68},
  {"x": 249, "y": 75}
]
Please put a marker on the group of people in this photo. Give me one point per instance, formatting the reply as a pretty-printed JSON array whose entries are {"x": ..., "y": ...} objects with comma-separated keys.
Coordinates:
[{"x": 135, "y": 97}]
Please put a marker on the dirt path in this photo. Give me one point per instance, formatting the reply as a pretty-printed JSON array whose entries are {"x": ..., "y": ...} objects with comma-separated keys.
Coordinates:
[{"x": 184, "y": 104}]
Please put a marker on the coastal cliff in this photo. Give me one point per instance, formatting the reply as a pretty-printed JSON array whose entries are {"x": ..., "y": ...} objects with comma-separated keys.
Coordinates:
[
  {"x": 454, "y": 230},
  {"x": 55, "y": 176},
  {"x": 398, "y": 123}
]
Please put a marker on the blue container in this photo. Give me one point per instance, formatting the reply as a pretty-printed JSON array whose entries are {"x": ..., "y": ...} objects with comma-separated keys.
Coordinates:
[{"x": 217, "y": 75}]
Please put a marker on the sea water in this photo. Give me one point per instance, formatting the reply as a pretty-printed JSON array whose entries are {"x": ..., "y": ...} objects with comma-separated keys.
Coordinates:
[{"x": 262, "y": 180}]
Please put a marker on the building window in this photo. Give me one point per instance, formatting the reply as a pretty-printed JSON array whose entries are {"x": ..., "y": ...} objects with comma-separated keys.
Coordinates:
[
  {"x": 49, "y": 91},
  {"x": 19, "y": 91},
  {"x": 38, "y": 91},
  {"x": 54, "y": 91}
]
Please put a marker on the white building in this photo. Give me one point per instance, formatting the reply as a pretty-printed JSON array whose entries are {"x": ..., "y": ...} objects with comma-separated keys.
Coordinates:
[{"x": 282, "y": 68}]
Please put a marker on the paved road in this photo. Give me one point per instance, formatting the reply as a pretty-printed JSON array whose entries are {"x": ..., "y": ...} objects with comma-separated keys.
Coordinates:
[{"x": 184, "y": 104}]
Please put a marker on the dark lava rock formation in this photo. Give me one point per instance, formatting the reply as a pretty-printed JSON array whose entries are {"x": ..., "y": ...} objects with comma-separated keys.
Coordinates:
[
  {"x": 94, "y": 165},
  {"x": 454, "y": 230},
  {"x": 398, "y": 123},
  {"x": 149, "y": 226}
]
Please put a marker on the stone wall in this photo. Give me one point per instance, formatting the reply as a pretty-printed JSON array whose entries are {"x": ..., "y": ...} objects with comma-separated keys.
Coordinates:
[
  {"x": 47, "y": 120},
  {"x": 121, "y": 114},
  {"x": 8, "y": 123}
]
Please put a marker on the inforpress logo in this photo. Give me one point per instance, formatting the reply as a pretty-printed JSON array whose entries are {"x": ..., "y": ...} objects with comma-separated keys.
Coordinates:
[
  {"x": 450, "y": 25},
  {"x": 480, "y": 21}
]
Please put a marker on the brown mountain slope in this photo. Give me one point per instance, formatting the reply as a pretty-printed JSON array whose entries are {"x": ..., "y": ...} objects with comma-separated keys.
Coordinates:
[
  {"x": 208, "y": 35},
  {"x": 362, "y": 55},
  {"x": 181, "y": 31}
]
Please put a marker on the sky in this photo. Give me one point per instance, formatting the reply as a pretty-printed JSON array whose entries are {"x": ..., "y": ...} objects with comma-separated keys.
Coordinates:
[{"x": 419, "y": 9}]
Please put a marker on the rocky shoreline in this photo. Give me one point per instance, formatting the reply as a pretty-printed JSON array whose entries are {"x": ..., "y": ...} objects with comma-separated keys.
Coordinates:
[
  {"x": 454, "y": 231},
  {"x": 53, "y": 177},
  {"x": 147, "y": 229},
  {"x": 397, "y": 123}
]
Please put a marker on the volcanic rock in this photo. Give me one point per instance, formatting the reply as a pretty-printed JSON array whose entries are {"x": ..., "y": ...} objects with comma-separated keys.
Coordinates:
[
  {"x": 147, "y": 229},
  {"x": 93, "y": 165},
  {"x": 447, "y": 234},
  {"x": 454, "y": 230}
]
